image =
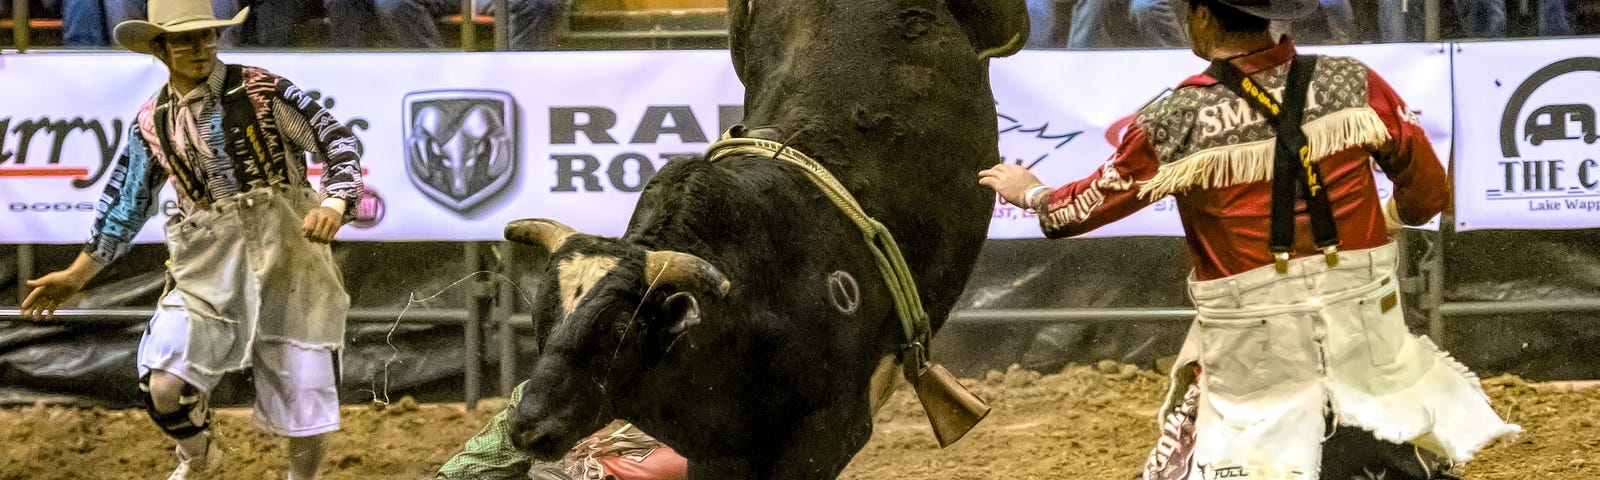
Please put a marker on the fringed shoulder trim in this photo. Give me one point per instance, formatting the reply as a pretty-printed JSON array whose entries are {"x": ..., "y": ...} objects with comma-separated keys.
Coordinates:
[{"x": 1251, "y": 162}]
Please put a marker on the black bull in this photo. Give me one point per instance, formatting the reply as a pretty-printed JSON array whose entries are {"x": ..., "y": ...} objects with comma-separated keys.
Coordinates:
[{"x": 741, "y": 318}]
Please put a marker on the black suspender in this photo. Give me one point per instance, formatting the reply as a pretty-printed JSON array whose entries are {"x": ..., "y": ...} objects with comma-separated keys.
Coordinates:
[
  {"x": 242, "y": 134},
  {"x": 1295, "y": 175}
]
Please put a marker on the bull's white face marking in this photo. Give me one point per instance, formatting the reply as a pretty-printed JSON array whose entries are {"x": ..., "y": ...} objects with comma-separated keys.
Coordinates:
[
  {"x": 844, "y": 292},
  {"x": 578, "y": 276},
  {"x": 1371, "y": 475}
]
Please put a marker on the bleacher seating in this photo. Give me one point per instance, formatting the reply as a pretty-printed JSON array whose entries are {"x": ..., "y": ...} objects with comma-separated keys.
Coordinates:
[
  {"x": 625, "y": 24},
  {"x": 591, "y": 25},
  {"x": 41, "y": 31}
]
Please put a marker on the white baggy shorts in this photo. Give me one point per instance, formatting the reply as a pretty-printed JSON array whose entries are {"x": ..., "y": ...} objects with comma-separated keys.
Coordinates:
[{"x": 296, "y": 387}]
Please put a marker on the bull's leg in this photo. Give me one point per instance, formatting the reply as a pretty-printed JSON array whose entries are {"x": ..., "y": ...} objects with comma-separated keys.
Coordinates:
[
  {"x": 1353, "y": 453},
  {"x": 822, "y": 443},
  {"x": 722, "y": 469}
]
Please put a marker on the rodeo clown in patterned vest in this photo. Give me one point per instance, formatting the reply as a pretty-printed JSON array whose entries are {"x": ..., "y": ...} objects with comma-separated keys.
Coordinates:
[
  {"x": 252, "y": 282},
  {"x": 1299, "y": 364}
]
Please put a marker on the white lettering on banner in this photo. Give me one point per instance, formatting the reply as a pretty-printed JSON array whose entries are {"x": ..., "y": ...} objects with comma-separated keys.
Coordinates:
[
  {"x": 1529, "y": 136},
  {"x": 580, "y": 135}
]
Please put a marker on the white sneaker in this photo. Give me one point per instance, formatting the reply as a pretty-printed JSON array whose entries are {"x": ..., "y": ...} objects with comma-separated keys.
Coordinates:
[{"x": 199, "y": 468}]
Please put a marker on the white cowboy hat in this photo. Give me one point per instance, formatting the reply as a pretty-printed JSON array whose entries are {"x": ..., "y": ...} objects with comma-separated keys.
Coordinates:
[{"x": 171, "y": 16}]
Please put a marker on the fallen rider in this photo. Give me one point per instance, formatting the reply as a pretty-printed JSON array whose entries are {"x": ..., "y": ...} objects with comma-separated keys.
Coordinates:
[{"x": 617, "y": 451}]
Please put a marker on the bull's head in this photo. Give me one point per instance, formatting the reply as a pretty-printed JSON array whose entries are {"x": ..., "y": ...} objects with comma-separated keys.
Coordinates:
[
  {"x": 610, "y": 308},
  {"x": 911, "y": 75}
]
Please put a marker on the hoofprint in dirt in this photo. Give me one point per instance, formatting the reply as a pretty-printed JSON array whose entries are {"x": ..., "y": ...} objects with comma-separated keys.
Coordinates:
[{"x": 1083, "y": 423}]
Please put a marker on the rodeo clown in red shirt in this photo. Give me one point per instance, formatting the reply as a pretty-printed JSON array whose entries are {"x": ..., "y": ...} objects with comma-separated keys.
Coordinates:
[{"x": 1299, "y": 364}]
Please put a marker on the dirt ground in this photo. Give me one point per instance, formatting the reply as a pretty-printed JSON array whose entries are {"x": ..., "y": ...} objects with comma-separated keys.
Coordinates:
[{"x": 1082, "y": 423}]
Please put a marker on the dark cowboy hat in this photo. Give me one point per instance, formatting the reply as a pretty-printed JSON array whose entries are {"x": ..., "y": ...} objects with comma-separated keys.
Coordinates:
[{"x": 1273, "y": 9}]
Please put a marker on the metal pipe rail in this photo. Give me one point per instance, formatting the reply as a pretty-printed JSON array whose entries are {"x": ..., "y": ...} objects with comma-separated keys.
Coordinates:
[
  {"x": 433, "y": 316},
  {"x": 509, "y": 322},
  {"x": 1069, "y": 315},
  {"x": 19, "y": 25},
  {"x": 1015, "y": 316},
  {"x": 1465, "y": 309},
  {"x": 649, "y": 35}
]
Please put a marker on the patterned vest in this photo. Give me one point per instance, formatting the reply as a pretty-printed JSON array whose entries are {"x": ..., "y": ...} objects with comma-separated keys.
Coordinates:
[{"x": 251, "y": 145}]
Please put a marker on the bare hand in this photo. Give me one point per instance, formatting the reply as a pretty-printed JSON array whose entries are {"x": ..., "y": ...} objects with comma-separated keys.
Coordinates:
[
  {"x": 1010, "y": 181},
  {"x": 50, "y": 292},
  {"x": 322, "y": 223}
]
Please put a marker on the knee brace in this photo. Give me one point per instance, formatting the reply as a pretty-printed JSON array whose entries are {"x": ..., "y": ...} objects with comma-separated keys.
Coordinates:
[{"x": 191, "y": 418}]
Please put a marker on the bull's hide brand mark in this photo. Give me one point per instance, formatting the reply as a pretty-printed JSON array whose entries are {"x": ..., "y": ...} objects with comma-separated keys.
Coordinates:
[
  {"x": 461, "y": 145},
  {"x": 844, "y": 292},
  {"x": 19, "y": 137}
]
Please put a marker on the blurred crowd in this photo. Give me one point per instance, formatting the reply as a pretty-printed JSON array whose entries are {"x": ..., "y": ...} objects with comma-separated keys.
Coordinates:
[
  {"x": 1076, "y": 24},
  {"x": 1088, "y": 24},
  {"x": 406, "y": 24}
]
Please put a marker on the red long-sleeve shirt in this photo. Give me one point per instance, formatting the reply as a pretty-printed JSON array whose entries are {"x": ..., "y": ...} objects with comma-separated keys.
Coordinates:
[{"x": 1206, "y": 147}]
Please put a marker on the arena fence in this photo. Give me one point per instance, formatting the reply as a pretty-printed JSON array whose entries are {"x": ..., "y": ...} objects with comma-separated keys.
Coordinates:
[
  {"x": 490, "y": 305},
  {"x": 490, "y": 308}
]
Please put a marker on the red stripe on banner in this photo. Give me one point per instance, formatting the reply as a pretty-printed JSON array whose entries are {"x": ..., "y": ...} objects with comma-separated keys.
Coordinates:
[{"x": 70, "y": 172}]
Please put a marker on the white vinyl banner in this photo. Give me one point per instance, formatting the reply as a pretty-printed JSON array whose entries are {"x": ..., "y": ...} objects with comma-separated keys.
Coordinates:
[
  {"x": 1526, "y": 156},
  {"x": 1063, "y": 112},
  {"x": 63, "y": 122},
  {"x": 587, "y": 129}
]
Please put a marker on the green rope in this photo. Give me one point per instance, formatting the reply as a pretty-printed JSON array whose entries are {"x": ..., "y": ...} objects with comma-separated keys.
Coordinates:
[{"x": 896, "y": 275}]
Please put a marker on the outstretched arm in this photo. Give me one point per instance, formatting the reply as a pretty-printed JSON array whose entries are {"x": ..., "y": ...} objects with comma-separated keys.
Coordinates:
[
  {"x": 1105, "y": 196},
  {"x": 129, "y": 200}
]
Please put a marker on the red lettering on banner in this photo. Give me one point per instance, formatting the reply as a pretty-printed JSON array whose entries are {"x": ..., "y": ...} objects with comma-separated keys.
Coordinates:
[{"x": 45, "y": 172}]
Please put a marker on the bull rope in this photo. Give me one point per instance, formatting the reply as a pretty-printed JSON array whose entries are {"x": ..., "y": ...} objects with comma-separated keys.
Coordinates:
[
  {"x": 412, "y": 299},
  {"x": 896, "y": 275}
]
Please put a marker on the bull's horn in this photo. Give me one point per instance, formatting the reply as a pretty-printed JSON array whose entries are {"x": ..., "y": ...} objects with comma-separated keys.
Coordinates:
[
  {"x": 684, "y": 271},
  {"x": 544, "y": 232}
]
